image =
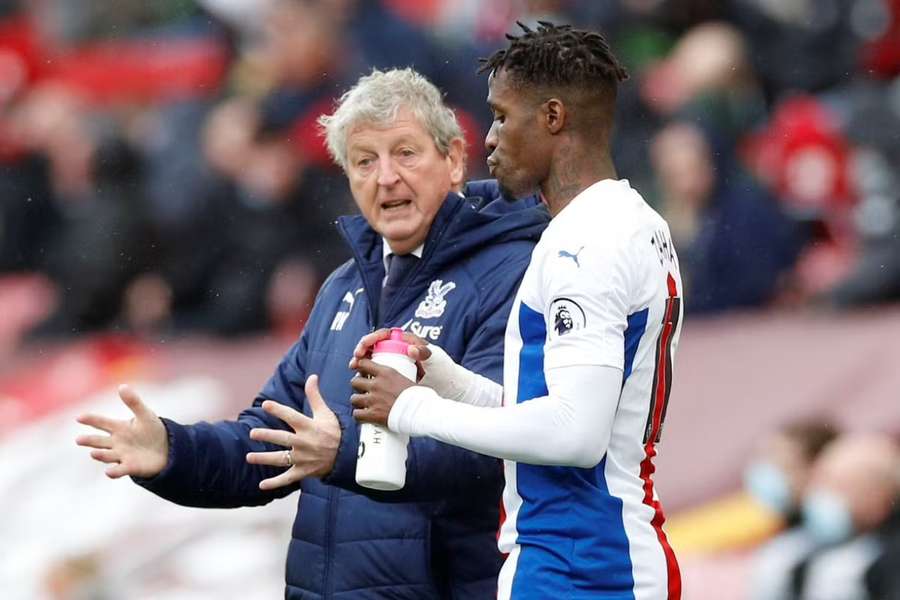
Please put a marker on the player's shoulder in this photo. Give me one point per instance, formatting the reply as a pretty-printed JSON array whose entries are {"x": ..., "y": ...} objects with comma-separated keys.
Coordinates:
[{"x": 607, "y": 217}]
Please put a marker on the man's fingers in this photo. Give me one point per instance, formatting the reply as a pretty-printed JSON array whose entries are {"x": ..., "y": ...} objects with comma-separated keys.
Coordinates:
[
  {"x": 99, "y": 422},
  {"x": 133, "y": 402},
  {"x": 94, "y": 441},
  {"x": 272, "y": 459},
  {"x": 314, "y": 397},
  {"x": 105, "y": 456},
  {"x": 283, "y": 412},
  {"x": 273, "y": 436},
  {"x": 117, "y": 470},
  {"x": 273, "y": 483}
]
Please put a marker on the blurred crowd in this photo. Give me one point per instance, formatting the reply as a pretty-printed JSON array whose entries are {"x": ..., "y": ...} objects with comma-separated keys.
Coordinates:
[
  {"x": 837, "y": 496},
  {"x": 161, "y": 170}
]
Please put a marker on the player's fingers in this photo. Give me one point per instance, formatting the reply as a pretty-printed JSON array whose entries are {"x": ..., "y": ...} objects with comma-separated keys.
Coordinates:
[
  {"x": 359, "y": 400},
  {"x": 105, "y": 456},
  {"x": 419, "y": 353},
  {"x": 365, "y": 344},
  {"x": 361, "y": 384},
  {"x": 363, "y": 415},
  {"x": 283, "y": 412},
  {"x": 100, "y": 422},
  {"x": 272, "y": 436},
  {"x": 273, "y": 483},
  {"x": 133, "y": 402},
  {"x": 94, "y": 441},
  {"x": 368, "y": 367}
]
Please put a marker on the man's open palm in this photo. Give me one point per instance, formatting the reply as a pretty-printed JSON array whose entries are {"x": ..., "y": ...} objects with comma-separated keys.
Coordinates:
[{"x": 138, "y": 446}]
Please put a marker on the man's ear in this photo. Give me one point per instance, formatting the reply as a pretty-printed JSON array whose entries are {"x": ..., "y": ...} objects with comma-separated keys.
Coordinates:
[
  {"x": 456, "y": 160},
  {"x": 555, "y": 115}
]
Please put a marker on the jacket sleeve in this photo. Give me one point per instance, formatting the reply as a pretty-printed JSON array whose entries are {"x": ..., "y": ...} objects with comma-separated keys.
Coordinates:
[
  {"x": 207, "y": 465},
  {"x": 434, "y": 470}
]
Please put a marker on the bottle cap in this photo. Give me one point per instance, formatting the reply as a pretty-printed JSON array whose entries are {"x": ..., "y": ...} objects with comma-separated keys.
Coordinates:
[{"x": 394, "y": 345}]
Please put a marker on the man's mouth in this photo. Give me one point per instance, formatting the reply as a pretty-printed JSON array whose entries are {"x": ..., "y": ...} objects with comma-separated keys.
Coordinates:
[
  {"x": 492, "y": 166},
  {"x": 395, "y": 204}
]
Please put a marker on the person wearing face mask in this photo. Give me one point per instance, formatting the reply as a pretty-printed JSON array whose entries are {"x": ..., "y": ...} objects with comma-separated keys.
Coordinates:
[
  {"x": 777, "y": 478},
  {"x": 851, "y": 511}
]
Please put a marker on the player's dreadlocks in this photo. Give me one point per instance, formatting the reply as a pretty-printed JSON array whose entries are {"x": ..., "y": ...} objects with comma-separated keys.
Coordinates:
[{"x": 557, "y": 55}]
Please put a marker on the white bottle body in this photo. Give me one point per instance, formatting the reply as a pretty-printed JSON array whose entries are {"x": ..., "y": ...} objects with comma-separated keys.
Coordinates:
[{"x": 381, "y": 461}]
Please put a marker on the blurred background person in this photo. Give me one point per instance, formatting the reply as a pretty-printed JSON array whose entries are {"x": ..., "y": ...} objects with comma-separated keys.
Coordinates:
[
  {"x": 778, "y": 478},
  {"x": 851, "y": 510}
]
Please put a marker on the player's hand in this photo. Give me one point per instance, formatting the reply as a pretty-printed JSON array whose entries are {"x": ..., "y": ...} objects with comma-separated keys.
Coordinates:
[
  {"x": 418, "y": 349},
  {"x": 137, "y": 447},
  {"x": 377, "y": 389},
  {"x": 312, "y": 447}
]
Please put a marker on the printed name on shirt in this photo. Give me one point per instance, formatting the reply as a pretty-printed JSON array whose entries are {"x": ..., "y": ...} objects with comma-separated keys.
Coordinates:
[
  {"x": 567, "y": 316},
  {"x": 341, "y": 316},
  {"x": 662, "y": 243}
]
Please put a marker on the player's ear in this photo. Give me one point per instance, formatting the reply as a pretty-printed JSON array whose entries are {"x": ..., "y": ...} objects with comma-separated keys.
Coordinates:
[{"x": 554, "y": 113}]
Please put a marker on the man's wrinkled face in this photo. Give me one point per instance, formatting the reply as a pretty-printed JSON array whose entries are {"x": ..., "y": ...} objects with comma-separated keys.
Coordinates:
[
  {"x": 517, "y": 152},
  {"x": 400, "y": 179}
]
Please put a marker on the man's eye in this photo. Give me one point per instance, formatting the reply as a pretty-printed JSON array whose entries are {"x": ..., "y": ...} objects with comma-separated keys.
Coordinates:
[
  {"x": 406, "y": 152},
  {"x": 500, "y": 118},
  {"x": 363, "y": 162}
]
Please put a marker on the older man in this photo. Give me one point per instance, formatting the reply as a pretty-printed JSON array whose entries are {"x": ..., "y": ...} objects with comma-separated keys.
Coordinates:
[{"x": 418, "y": 238}]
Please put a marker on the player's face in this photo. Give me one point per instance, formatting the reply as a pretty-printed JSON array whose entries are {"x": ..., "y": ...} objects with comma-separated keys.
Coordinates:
[
  {"x": 516, "y": 151},
  {"x": 400, "y": 179}
]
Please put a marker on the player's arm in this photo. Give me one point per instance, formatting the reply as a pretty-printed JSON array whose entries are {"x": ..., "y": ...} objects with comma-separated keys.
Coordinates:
[
  {"x": 570, "y": 426},
  {"x": 570, "y": 422}
]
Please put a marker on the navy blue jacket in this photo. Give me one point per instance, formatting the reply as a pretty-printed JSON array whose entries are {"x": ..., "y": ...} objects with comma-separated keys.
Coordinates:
[{"x": 436, "y": 537}]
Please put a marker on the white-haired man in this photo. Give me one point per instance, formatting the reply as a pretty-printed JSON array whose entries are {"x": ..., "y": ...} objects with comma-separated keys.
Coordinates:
[{"x": 421, "y": 232}]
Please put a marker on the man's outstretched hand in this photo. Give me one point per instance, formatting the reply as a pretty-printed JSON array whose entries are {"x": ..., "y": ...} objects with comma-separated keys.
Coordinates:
[
  {"x": 137, "y": 447},
  {"x": 310, "y": 450}
]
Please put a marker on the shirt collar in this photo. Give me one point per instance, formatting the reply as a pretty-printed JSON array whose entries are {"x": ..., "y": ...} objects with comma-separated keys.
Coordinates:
[{"x": 386, "y": 251}]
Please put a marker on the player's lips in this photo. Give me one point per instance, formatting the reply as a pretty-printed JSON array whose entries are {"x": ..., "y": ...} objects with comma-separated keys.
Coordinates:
[{"x": 492, "y": 165}]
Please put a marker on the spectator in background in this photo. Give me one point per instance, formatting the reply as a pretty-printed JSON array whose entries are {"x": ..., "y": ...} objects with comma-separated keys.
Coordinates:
[
  {"x": 778, "y": 478},
  {"x": 851, "y": 510},
  {"x": 733, "y": 241},
  {"x": 404, "y": 157}
]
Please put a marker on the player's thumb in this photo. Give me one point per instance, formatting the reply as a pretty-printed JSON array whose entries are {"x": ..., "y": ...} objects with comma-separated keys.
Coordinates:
[
  {"x": 133, "y": 402},
  {"x": 316, "y": 402}
]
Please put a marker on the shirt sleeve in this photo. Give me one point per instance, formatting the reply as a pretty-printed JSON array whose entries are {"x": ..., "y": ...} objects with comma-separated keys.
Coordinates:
[
  {"x": 573, "y": 423},
  {"x": 586, "y": 304}
]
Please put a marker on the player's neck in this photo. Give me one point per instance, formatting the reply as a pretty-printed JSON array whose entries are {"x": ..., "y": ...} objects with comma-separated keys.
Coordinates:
[{"x": 574, "y": 169}]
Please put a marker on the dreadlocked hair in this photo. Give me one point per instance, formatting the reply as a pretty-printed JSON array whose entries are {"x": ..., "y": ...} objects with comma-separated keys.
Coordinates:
[{"x": 557, "y": 55}]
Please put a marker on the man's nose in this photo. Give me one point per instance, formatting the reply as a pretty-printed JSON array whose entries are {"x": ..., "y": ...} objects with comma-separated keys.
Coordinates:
[
  {"x": 387, "y": 174},
  {"x": 490, "y": 140}
]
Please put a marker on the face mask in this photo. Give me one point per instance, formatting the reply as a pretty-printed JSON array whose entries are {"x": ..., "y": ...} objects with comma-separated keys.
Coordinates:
[
  {"x": 769, "y": 486},
  {"x": 826, "y": 517}
]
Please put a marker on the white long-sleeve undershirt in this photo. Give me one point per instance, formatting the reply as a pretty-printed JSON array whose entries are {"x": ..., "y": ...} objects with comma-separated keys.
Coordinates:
[{"x": 569, "y": 427}]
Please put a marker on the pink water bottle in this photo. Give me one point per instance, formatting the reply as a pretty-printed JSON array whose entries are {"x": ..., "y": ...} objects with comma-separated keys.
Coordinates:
[{"x": 381, "y": 462}]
